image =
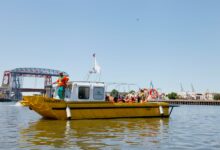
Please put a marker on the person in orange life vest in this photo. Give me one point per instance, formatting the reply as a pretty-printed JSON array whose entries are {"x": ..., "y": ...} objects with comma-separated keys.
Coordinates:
[{"x": 62, "y": 84}]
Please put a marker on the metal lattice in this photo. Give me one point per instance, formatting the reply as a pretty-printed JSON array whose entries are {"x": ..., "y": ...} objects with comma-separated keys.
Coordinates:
[
  {"x": 13, "y": 80},
  {"x": 37, "y": 72}
]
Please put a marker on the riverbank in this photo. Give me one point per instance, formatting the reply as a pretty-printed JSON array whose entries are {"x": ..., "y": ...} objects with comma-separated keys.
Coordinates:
[
  {"x": 176, "y": 101},
  {"x": 190, "y": 102},
  {"x": 5, "y": 100}
]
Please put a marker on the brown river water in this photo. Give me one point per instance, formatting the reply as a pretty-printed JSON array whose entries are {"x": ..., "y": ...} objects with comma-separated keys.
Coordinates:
[{"x": 189, "y": 127}]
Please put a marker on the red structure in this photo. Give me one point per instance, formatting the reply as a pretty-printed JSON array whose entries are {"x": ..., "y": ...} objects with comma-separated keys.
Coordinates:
[{"x": 12, "y": 82}]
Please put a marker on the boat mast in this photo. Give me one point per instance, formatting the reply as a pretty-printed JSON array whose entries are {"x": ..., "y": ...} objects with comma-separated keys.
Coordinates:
[{"x": 96, "y": 69}]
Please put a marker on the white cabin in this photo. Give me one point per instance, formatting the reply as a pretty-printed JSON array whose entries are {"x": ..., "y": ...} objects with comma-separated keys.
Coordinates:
[{"x": 85, "y": 91}]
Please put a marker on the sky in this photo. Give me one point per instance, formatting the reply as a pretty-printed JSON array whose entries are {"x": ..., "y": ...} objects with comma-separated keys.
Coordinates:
[{"x": 167, "y": 42}]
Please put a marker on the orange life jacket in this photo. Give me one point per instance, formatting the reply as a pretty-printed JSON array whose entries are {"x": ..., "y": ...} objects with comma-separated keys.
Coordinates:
[{"x": 62, "y": 81}]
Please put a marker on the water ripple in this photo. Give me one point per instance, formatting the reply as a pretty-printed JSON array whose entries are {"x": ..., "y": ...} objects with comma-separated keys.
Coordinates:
[{"x": 190, "y": 127}]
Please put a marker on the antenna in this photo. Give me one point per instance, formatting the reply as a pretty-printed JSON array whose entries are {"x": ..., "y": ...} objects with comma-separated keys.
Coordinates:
[
  {"x": 151, "y": 85},
  {"x": 96, "y": 69},
  {"x": 193, "y": 90},
  {"x": 181, "y": 87}
]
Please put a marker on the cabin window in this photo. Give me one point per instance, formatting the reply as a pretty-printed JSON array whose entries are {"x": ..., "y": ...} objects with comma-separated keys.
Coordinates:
[
  {"x": 98, "y": 93},
  {"x": 68, "y": 91},
  {"x": 83, "y": 92}
]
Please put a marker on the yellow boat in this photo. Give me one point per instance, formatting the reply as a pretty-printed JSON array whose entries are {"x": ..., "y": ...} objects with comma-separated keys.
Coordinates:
[{"x": 86, "y": 100}]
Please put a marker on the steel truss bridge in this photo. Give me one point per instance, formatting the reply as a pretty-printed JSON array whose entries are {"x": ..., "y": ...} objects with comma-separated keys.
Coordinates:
[{"x": 12, "y": 83}]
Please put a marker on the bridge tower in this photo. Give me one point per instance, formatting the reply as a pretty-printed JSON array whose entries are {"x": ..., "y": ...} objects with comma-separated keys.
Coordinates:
[{"x": 12, "y": 83}]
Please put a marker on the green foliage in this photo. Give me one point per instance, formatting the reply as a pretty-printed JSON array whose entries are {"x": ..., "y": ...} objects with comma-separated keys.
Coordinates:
[
  {"x": 114, "y": 93},
  {"x": 131, "y": 92},
  {"x": 172, "y": 95},
  {"x": 217, "y": 97}
]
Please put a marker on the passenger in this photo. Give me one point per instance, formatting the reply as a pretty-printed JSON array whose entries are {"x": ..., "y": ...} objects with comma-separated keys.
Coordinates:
[
  {"x": 107, "y": 98},
  {"x": 129, "y": 98},
  {"x": 111, "y": 99},
  {"x": 61, "y": 84},
  {"x": 133, "y": 99},
  {"x": 115, "y": 99},
  {"x": 142, "y": 96},
  {"x": 123, "y": 99},
  {"x": 138, "y": 99},
  {"x": 146, "y": 95},
  {"x": 126, "y": 99},
  {"x": 120, "y": 99}
]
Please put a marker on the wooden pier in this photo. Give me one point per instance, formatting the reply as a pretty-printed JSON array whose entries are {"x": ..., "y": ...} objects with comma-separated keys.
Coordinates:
[{"x": 189, "y": 102}]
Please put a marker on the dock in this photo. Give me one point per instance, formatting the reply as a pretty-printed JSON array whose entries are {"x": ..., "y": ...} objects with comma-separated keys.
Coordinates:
[
  {"x": 5, "y": 100},
  {"x": 189, "y": 102}
]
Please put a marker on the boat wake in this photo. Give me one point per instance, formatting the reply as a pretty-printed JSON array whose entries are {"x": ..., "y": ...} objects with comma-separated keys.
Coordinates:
[{"x": 18, "y": 104}]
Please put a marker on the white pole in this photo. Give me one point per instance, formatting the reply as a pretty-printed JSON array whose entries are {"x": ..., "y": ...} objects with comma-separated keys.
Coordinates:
[
  {"x": 94, "y": 69},
  {"x": 68, "y": 112},
  {"x": 161, "y": 110}
]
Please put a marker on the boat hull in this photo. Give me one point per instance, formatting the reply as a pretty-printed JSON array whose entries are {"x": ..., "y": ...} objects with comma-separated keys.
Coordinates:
[{"x": 56, "y": 109}]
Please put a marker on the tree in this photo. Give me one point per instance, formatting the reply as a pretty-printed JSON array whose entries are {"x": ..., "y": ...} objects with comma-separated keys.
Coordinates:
[
  {"x": 131, "y": 92},
  {"x": 172, "y": 95},
  {"x": 217, "y": 97},
  {"x": 114, "y": 93}
]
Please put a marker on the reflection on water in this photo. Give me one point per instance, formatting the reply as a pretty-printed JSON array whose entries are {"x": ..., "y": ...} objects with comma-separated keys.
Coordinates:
[
  {"x": 190, "y": 127},
  {"x": 94, "y": 134}
]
